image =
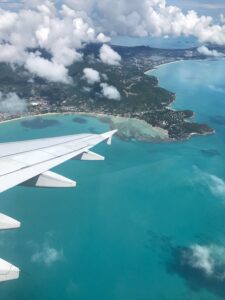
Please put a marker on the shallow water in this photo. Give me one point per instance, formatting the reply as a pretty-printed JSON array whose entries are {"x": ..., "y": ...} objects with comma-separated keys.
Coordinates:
[{"x": 122, "y": 232}]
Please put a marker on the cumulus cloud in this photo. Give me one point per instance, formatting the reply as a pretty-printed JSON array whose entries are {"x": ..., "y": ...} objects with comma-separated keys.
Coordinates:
[
  {"x": 102, "y": 38},
  {"x": 207, "y": 259},
  {"x": 39, "y": 25},
  {"x": 109, "y": 56},
  {"x": 110, "y": 92},
  {"x": 47, "y": 69},
  {"x": 150, "y": 18},
  {"x": 11, "y": 103},
  {"x": 62, "y": 30},
  {"x": 201, "y": 259},
  {"x": 92, "y": 76},
  {"x": 47, "y": 255},
  {"x": 207, "y": 52}
]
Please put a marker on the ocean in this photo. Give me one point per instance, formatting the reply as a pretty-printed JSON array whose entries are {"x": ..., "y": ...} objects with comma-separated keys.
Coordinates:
[{"x": 147, "y": 223}]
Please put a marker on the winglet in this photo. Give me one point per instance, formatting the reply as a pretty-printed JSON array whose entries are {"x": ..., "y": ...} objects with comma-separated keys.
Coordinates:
[{"x": 108, "y": 136}]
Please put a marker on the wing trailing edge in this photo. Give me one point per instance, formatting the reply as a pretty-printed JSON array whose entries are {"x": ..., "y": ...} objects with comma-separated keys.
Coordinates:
[
  {"x": 8, "y": 223},
  {"x": 89, "y": 155},
  {"x": 8, "y": 271}
]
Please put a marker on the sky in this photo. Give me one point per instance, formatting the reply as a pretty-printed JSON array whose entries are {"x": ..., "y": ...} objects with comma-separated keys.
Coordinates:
[
  {"x": 62, "y": 28},
  {"x": 213, "y": 8},
  {"x": 203, "y": 7}
]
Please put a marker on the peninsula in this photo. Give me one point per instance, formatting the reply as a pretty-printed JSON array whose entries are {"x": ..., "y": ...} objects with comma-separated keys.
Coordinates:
[{"x": 141, "y": 96}]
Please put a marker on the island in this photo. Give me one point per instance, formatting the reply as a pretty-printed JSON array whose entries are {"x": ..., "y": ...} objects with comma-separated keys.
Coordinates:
[{"x": 141, "y": 96}]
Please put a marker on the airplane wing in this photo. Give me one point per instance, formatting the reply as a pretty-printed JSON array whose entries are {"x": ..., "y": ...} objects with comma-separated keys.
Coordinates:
[
  {"x": 8, "y": 271},
  {"x": 28, "y": 163}
]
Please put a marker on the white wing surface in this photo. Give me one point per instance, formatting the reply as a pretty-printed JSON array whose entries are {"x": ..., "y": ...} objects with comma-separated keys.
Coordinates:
[
  {"x": 8, "y": 271},
  {"x": 29, "y": 162}
]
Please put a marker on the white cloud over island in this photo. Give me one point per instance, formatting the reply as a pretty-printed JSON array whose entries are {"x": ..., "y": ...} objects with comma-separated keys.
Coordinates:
[
  {"x": 92, "y": 76},
  {"x": 41, "y": 26},
  {"x": 110, "y": 91},
  {"x": 207, "y": 52},
  {"x": 149, "y": 18},
  {"x": 109, "y": 56},
  {"x": 11, "y": 103}
]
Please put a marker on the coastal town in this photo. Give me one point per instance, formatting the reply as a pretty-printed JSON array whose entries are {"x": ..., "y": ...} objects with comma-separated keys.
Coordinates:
[{"x": 141, "y": 97}]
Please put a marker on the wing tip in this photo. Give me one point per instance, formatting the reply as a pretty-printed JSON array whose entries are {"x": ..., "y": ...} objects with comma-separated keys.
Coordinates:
[{"x": 108, "y": 136}]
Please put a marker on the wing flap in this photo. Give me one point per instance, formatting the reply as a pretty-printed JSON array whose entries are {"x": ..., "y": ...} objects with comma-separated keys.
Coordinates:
[
  {"x": 8, "y": 223},
  {"x": 8, "y": 271},
  {"x": 50, "y": 180},
  {"x": 89, "y": 155}
]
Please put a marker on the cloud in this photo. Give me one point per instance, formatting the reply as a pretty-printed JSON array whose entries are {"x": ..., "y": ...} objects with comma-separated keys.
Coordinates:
[
  {"x": 50, "y": 70},
  {"x": 11, "y": 103},
  {"x": 200, "y": 258},
  {"x": 109, "y": 56},
  {"x": 102, "y": 38},
  {"x": 39, "y": 25},
  {"x": 222, "y": 18},
  {"x": 217, "y": 89},
  {"x": 63, "y": 29},
  {"x": 207, "y": 52},
  {"x": 149, "y": 18},
  {"x": 208, "y": 259},
  {"x": 47, "y": 255},
  {"x": 110, "y": 92},
  {"x": 92, "y": 76},
  {"x": 214, "y": 183}
]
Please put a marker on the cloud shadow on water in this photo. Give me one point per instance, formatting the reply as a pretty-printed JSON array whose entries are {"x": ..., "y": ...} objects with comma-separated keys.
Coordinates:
[{"x": 195, "y": 278}]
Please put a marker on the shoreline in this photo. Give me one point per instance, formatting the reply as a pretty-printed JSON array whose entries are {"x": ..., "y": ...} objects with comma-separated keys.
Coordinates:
[
  {"x": 153, "y": 131},
  {"x": 103, "y": 118},
  {"x": 54, "y": 113},
  {"x": 161, "y": 65}
]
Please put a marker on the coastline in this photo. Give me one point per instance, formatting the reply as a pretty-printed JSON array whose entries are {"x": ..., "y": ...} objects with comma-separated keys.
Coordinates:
[
  {"x": 138, "y": 126},
  {"x": 128, "y": 128},
  {"x": 124, "y": 125},
  {"x": 161, "y": 65}
]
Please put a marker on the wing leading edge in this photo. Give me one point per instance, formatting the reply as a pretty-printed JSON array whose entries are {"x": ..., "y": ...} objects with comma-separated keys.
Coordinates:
[
  {"x": 27, "y": 160},
  {"x": 28, "y": 163}
]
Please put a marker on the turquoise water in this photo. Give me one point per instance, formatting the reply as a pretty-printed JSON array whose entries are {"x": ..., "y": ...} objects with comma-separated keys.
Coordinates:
[{"x": 127, "y": 230}]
